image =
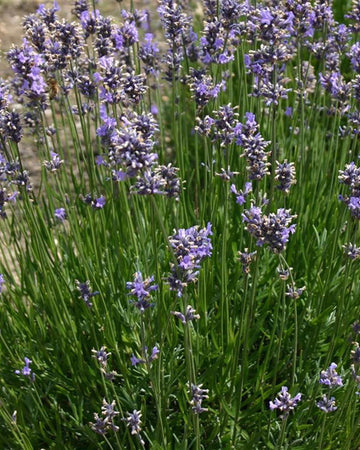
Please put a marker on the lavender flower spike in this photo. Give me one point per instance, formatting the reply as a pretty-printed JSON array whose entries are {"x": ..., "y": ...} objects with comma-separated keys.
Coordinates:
[
  {"x": 26, "y": 371},
  {"x": 198, "y": 395},
  {"x": 141, "y": 289},
  {"x": 284, "y": 402},
  {"x": 103, "y": 424},
  {"x": 134, "y": 422},
  {"x": 327, "y": 404},
  {"x": 330, "y": 377},
  {"x": 188, "y": 316}
]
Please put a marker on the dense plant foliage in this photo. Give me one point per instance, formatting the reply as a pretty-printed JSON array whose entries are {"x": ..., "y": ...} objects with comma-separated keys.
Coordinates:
[{"x": 180, "y": 252}]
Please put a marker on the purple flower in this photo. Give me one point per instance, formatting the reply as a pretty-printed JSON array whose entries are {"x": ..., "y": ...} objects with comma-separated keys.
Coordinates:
[
  {"x": 284, "y": 402},
  {"x": 293, "y": 292},
  {"x": 198, "y": 395},
  {"x": 273, "y": 229},
  {"x": 60, "y": 214},
  {"x": 327, "y": 404},
  {"x": 85, "y": 292},
  {"x": 148, "y": 53},
  {"x": 188, "y": 316},
  {"x": 54, "y": 164},
  {"x": 248, "y": 136},
  {"x": 96, "y": 203},
  {"x": 135, "y": 361},
  {"x": 101, "y": 355},
  {"x": 246, "y": 259},
  {"x": 133, "y": 421},
  {"x": 203, "y": 87},
  {"x": 330, "y": 377},
  {"x": 190, "y": 247},
  {"x": 26, "y": 370},
  {"x": 289, "y": 111},
  {"x": 241, "y": 196},
  {"x": 147, "y": 359},
  {"x": 2, "y": 281},
  {"x": 105, "y": 422},
  {"x": 141, "y": 289},
  {"x": 285, "y": 175},
  {"x": 351, "y": 250}
]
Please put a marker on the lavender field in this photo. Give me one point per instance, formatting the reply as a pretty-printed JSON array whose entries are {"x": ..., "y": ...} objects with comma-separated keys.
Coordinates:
[{"x": 179, "y": 210}]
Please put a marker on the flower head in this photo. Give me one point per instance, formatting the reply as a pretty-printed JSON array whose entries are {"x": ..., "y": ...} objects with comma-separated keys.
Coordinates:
[
  {"x": 142, "y": 289},
  {"x": 327, "y": 404},
  {"x": 26, "y": 370},
  {"x": 85, "y": 292},
  {"x": 284, "y": 402},
  {"x": 198, "y": 395},
  {"x": 330, "y": 377}
]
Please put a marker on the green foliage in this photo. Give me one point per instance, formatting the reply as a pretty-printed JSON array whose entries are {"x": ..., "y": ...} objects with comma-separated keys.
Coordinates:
[{"x": 251, "y": 338}]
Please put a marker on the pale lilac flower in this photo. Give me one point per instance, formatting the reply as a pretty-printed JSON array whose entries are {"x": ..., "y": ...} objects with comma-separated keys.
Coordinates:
[
  {"x": 101, "y": 355},
  {"x": 105, "y": 422},
  {"x": 330, "y": 377},
  {"x": 190, "y": 247},
  {"x": 198, "y": 395},
  {"x": 351, "y": 250},
  {"x": 142, "y": 289},
  {"x": 190, "y": 314},
  {"x": 246, "y": 259},
  {"x": 26, "y": 370},
  {"x": 133, "y": 421},
  {"x": 327, "y": 404},
  {"x": 2, "y": 281},
  {"x": 60, "y": 214},
  {"x": 54, "y": 163},
  {"x": 284, "y": 402},
  {"x": 85, "y": 292}
]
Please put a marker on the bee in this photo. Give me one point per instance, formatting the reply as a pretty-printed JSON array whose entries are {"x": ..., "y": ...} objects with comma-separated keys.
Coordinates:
[{"x": 53, "y": 88}]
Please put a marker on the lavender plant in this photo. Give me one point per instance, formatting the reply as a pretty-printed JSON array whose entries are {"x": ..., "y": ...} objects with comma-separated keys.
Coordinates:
[{"x": 181, "y": 142}]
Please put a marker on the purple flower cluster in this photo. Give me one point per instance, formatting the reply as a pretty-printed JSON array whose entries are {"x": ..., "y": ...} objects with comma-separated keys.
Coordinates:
[
  {"x": 142, "y": 289},
  {"x": 351, "y": 178},
  {"x": 147, "y": 359},
  {"x": 86, "y": 292},
  {"x": 102, "y": 357},
  {"x": 198, "y": 395},
  {"x": 179, "y": 36},
  {"x": 221, "y": 127},
  {"x": 284, "y": 402},
  {"x": 162, "y": 180},
  {"x": 190, "y": 247},
  {"x": 203, "y": 87},
  {"x": 54, "y": 163},
  {"x": 105, "y": 421},
  {"x": 130, "y": 148},
  {"x": 327, "y": 404},
  {"x": 330, "y": 377},
  {"x": 352, "y": 251},
  {"x": 246, "y": 258},
  {"x": 285, "y": 175},
  {"x": 273, "y": 229},
  {"x": 250, "y": 139},
  {"x": 133, "y": 421},
  {"x": 26, "y": 370},
  {"x": 188, "y": 316},
  {"x": 60, "y": 214},
  {"x": 95, "y": 203}
]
